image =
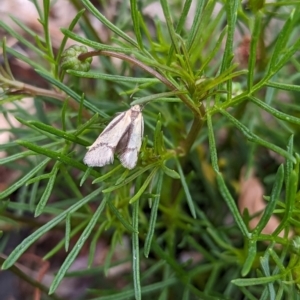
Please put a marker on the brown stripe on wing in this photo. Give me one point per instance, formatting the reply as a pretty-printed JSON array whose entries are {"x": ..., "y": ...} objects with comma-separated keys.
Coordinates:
[
  {"x": 123, "y": 143},
  {"x": 99, "y": 145}
]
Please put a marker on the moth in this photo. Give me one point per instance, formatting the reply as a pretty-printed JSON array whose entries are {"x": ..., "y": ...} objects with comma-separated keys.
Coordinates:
[{"x": 123, "y": 136}]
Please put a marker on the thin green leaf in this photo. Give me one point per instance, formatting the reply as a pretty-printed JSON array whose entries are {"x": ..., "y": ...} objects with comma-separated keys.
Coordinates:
[
  {"x": 95, "y": 45},
  {"x": 180, "y": 25},
  {"x": 149, "y": 289},
  {"x": 285, "y": 57},
  {"x": 48, "y": 190},
  {"x": 63, "y": 114},
  {"x": 16, "y": 156},
  {"x": 276, "y": 113},
  {"x": 27, "y": 29},
  {"x": 69, "y": 179},
  {"x": 279, "y": 292},
  {"x": 255, "y": 281},
  {"x": 144, "y": 186},
  {"x": 231, "y": 10},
  {"x": 38, "y": 178},
  {"x": 156, "y": 143},
  {"x": 147, "y": 99},
  {"x": 27, "y": 124},
  {"x": 264, "y": 261},
  {"x": 251, "y": 255},
  {"x": 253, "y": 46},
  {"x": 60, "y": 133},
  {"x": 196, "y": 24},
  {"x": 21, "y": 39},
  {"x": 29, "y": 61},
  {"x": 183, "y": 16},
  {"x": 107, "y": 175},
  {"x": 65, "y": 39},
  {"x": 255, "y": 139},
  {"x": 200, "y": 249},
  {"x": 7, "y": 99},
  {"x": 45, "y": 23},
  {"x": 247, "y": 293},
  {"x": 94, "y": 244},
  {"x": 189, "y": 198},
  {"x": 212, "y": 144},
  {"x": 136, "y": 251},
  {"x": 107, "y": 23},
  {"x": 71, "y": 93},
  {"x": 289, "y": 202},
  {"x": 281, "y": 41},
  {"x": 27, "y": 242},
  {"x": 283, "y": 86},
  {"x": 277, "y": 260},
  {"x": 289, "y": 166},
  {"x": 24, "y": 179},
  {"x": 232, "y": 205},
  {"x": 172, "y": 33},
  {"x": 57, "y": 156},
  {"x": 130, "y": 178},
  {"x": 112, "y": 248},
  {"x": 77, "y": 247},
  {"x": 63, "y": 242},
  {"x": 6, "y": 62},
  {"x": 153, "y": 215},
  {"x": 214, "y": 51},
  {"x": 86, "y": 125},
  {"x": 122, "y": 177},
  {"x": 180, "y": 272},
  {"x": 201, "y": 20},
  {"x": 80, "y": 112},
  {"x": 116, "y": 78},
  {"x": 33, "y": 194},
  {"x": 136, "y": 24},
  {"x": 219, "y": 240},
  {"x": 67, "y": 232},
  {"x": 119, "y": 216},
  {"x": 269, "y": 210},
  {"x": 85, "y": 176},
  {"x": 171, "y": 173}
]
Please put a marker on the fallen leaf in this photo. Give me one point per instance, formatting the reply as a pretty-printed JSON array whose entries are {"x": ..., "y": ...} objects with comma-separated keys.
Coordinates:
[{"x": 251, "y": 198}]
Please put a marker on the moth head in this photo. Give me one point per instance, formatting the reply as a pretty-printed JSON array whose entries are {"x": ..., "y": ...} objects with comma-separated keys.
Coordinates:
[{"x": 137, "y": 108}]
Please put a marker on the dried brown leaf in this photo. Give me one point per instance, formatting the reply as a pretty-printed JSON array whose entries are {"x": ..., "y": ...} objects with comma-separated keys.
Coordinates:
[{"x": 251, "y": 198}]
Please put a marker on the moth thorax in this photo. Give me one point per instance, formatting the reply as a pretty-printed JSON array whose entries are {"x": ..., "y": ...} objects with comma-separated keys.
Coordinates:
[{"x": 135, "y": 111}]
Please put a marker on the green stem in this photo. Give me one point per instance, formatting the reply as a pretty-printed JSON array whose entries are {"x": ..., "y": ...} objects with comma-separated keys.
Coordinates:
[{"x": 194, "y": 131}]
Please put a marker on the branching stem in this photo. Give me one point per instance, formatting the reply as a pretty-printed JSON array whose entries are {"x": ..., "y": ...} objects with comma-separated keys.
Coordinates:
[{"x": 27, "y": 89}]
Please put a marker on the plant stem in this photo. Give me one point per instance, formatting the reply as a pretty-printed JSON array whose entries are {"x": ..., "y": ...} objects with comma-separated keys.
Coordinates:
[
  {"x": 146, "y": 68},
  {"x": 32, "y": 90},
  {"x": 194, "y": 131},
  {"x": 22, "y": 272},
  {"x": 27, "y": 89}
]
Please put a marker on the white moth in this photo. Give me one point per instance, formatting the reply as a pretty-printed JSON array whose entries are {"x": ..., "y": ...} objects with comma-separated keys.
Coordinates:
[{"x": 123, "y": 136}]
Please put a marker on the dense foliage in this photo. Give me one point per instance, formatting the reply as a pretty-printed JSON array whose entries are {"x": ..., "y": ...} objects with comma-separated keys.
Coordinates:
[{"x": 219, "y": 96}]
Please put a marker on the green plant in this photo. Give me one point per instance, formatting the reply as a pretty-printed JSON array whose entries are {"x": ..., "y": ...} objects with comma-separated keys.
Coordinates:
[{"x": 180, "y": 196}]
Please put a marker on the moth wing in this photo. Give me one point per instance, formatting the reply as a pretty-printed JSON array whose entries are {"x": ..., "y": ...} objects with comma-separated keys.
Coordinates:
[
  {"x": 101, "y": 152},
  {"x": 130, "y": 144}
]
